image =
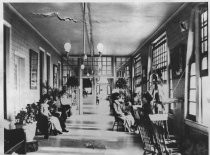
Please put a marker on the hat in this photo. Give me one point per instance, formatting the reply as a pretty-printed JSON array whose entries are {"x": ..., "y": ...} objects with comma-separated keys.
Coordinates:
[{"x": 148, "y": 96}]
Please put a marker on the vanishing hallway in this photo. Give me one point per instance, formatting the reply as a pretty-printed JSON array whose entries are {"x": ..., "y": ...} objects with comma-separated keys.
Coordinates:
[{"x": 91, "y": 134}]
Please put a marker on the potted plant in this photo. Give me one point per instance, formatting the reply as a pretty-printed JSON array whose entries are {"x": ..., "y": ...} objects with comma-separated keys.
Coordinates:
[
  {"x": 121, "y": 83},
  {"x": 26, "y": 119}
]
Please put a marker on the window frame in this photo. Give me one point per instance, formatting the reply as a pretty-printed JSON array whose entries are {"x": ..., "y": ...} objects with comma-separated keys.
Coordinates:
[
  {"x": 204, "y": 54},
  {"x": 159, "y": 55},
  {"x": 197, "y": 59},
  {"x": 33, "y": 61}
]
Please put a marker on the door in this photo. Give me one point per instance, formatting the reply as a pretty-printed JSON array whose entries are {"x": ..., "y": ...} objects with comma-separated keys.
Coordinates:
[
  {"x": 5, "y": 66},
  {"x": 19, "y": 85},
  {"x": 41, "y": 74}
]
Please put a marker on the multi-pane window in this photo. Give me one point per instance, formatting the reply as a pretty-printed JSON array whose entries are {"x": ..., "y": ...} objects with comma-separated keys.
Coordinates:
[
  {"x": 100, "y": 65},
  {"x": 204, "y": 66},
  {"x": 48, "y": 68},
  {"x": 59, "y": 75},
  {"x": 33, "y": 60},
  {"x": 159, "y": 56},
  {"x": 106, "y": 66},
  {"x": 192, "y": 92},
  {"x": 120, "y": 61},
  {"x": 204, "y": 41},
  {"x": 198, "y": 79},
  {"x": 127, "y": 71},
  {"x": 138, "y": 70}
]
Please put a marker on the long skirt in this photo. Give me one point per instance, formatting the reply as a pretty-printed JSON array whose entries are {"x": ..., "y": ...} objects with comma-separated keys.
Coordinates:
[{"x": 55, "y": 123}]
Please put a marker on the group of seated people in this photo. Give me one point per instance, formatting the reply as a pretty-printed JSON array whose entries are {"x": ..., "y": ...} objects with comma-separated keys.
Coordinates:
[
  {"x": 52, "y": 115},
  {"x": 138, "y": 109}
]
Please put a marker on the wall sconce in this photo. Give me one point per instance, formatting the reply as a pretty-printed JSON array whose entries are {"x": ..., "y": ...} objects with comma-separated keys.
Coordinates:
[
  {"x": 183, "y": 26},
  {"x": 67, "y": 48}
]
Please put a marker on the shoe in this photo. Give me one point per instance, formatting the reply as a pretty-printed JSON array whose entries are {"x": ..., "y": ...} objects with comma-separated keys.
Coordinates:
[
  {"x": 55, "y": 133},
  {"x": 64, "y": 130},
  {"x": 59, "y": 132}
]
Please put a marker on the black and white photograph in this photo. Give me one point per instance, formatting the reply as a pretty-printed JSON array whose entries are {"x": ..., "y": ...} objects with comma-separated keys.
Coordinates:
[{"x": 104, "y": 77}]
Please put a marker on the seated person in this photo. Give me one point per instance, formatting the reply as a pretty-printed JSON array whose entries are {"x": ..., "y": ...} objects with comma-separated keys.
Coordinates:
[
  {"x": 57, "y": 110},
  {"x": 118, "y": 110},
  {"x": 65, "y": 105},
  {"x": 146, "y": 101},
  {"x": 46, "y": 116},
  {"x": 128, "y": 111}
]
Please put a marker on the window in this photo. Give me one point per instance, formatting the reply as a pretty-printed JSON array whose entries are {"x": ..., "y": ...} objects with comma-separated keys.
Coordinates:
[
  {"x": 204, "y": 66},
  {"x": 106, "y": 66},
  {"x": 159, "y": 56},
  {"x": 137, "y": 70},
  {"x": 204, "y": 41},
  {"x": 198, "y": 85},
  {"x": 33, "y": 69},
  {"x": 99, "y": 65},
  {"x": 55, "y": 76},
  {"x": 59, "y": 75},
  {"x": 120, "y": 61},
  {"x": 159, "y": 63},
  {"x": 192, "y": 91},
  {"x": 48, "y": 68}
]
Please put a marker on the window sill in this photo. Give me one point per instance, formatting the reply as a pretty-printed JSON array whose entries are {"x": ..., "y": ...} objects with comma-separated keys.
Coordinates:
[{"x": 204, "y": 129}]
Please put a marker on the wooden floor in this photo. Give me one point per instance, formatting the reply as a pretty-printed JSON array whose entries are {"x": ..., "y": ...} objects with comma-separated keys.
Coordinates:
[{"x": 91, "y": 134}]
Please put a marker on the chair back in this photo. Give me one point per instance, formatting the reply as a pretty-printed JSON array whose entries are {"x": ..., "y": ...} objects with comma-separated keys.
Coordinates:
[
  {"x": 147, "y": 137},
  {"x": 160, "y": 128}
]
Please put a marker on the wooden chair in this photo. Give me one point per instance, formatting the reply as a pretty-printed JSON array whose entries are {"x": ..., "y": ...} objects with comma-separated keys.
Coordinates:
[
  {"x": 147, "y": 138},
  {"x": 117, "y": 122},
  {"x": 167, "y": 145}
]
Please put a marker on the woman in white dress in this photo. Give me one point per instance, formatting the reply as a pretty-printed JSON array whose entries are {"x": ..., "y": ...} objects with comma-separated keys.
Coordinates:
[{"x": 56, "y": 127}]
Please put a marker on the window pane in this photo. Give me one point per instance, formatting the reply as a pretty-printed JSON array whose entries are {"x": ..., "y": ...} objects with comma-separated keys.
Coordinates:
[
  {"x": 192, "y": 72},
  {"x": 109, "y": 72},
  {"x": 192, "y": 96},
  {"x": 192, "y": 108},
  {"x": 193, "y": 82},
  {"x": 109, "y": 59},
  {"x": 204, "y": 63},
  {"x": 109, "y": 67},
  {"x": 109, "y": 63}
]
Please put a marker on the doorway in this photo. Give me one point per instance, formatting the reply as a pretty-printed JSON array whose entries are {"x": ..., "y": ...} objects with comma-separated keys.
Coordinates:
[
  {"x": 41, "y": 73},
  {"x": 88, "y": 96},
  {"x": 5, "y": 66},
  {"x": 19, "y": 85}
]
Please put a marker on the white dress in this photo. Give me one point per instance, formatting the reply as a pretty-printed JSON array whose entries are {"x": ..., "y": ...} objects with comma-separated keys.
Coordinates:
[{"x": 54, "y": 120}]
